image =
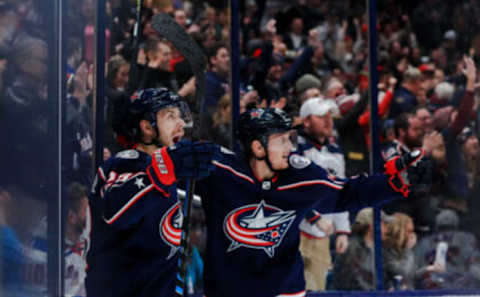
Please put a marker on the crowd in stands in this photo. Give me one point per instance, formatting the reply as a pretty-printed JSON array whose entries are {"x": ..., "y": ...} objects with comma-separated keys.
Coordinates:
[{"x": 292, "y": 52}]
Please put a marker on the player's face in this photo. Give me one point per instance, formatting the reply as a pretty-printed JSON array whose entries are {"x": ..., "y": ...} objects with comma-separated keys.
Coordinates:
[
  {"x": 280, "y": 145},
  {"x": 170, "y": 126}
]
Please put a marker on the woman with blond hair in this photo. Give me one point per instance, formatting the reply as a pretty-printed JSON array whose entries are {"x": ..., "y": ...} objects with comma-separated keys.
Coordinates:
[
  {"x": 401, "y": 270},
  {"x": 221, "y": 126}
]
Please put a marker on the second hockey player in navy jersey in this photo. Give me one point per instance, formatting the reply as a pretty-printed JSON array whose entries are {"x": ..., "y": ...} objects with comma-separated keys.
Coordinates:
[
  {"x": 254, "y": 206},
  {"x": 136, "y": 222}
]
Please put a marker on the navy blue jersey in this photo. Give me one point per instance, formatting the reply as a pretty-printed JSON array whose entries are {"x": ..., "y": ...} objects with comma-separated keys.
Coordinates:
[
  {"x": 253, "y": 235},
  {"x": 135, "y": 233}
]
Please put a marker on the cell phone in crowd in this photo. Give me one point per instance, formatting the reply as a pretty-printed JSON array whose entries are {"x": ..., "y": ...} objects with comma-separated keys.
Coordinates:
[{"x": 441, "y": 253}]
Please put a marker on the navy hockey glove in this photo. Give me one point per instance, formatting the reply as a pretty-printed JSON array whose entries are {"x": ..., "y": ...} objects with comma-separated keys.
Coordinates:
[
  {"x": 409, "y": 172},
  {"x": 183, "y": 160},
  {"x": 194, "y": 159}
]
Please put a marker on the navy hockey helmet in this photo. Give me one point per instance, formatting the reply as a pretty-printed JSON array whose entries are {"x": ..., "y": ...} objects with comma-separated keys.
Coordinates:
[
  {"x": 259, "y": 123},
  {"x": 144, "y": 105}
]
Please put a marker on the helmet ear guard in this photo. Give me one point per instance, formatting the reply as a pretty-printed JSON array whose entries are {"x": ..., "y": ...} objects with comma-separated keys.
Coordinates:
[
  {"x": 259, "y": 124},
  {"x": 255, "y": 123}
]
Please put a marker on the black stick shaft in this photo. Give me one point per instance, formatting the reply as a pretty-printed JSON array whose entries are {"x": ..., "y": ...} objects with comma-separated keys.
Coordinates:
[
  {"x": 136, "y": 29},
  {"x": 181, "y": 281},
  {"x": 137, "y": 23},
  {"x": 167, "y": 27}
]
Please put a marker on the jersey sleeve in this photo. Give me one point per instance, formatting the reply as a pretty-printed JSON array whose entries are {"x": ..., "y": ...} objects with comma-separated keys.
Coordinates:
[
  {"x": 341, "y": 222},
  {"x": 313, "y": 216},
  {"x": 125, "y": 196},
  {"x": 362, "y": 191},
  {"x": 330, "y": 194}
]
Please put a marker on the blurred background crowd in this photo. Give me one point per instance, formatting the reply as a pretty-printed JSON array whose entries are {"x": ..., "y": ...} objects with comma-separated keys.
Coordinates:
[{"x": 308, "y": 57}]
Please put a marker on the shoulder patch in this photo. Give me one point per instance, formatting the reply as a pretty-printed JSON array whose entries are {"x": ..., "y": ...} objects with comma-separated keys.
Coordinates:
[
  {"x": 225, "y": 150},
  {"x": 128, "y": 154},
  {"x": 400, "y": 100},
  {"x": 301, "y": 140},
  {"x": 389, "y": 153},
  {"x": 299, "y": 162}
]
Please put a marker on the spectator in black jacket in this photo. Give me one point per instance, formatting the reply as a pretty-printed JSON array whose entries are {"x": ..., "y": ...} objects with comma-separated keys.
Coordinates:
[{"x": 156, "y": 72}]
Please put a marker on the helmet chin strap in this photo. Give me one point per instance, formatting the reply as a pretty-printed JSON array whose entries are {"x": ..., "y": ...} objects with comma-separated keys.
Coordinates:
[
  {"x": 266, "y": 158},
  {"x": 154, "y": 140}
]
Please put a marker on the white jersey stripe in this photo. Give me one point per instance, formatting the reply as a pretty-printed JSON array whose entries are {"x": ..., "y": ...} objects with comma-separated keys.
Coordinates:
[
  {"x": 129, "y": 204},
  {"x": 310, "y": 183},
  {"x": 299, "y": 294},
  {"x": 226, "y": 167}
]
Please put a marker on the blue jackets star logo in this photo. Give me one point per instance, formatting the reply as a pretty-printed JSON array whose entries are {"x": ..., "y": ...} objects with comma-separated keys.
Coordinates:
[
  {"x": 257, "y": 226},
  {"x": 171, "y": 228}
]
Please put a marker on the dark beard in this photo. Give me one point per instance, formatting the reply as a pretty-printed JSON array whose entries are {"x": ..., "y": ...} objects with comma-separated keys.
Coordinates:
[{"x": 413, "y": 143}]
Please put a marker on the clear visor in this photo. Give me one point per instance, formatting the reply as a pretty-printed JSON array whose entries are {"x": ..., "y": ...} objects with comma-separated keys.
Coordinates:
[
  {"x": 284, "y": 141},
  {"x": 185, "y": 114}
]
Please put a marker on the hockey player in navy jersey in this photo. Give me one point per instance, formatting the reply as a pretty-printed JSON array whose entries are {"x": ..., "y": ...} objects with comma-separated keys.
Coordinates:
[
  {"x": 255, "y": 202},
  {"x": 136, "y": 222}
]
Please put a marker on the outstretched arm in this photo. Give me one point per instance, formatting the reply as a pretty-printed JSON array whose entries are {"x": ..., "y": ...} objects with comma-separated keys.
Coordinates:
[{"x": 403, "y": 174}]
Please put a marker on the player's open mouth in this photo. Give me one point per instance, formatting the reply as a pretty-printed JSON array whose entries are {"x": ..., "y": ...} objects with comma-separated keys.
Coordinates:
[{"x": 177, "y": 138}]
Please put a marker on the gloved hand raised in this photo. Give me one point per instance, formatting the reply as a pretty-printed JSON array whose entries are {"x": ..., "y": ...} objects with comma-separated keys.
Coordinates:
[
  {"x": 410, "y": 172},
  {"x": 183, "y": 160}
]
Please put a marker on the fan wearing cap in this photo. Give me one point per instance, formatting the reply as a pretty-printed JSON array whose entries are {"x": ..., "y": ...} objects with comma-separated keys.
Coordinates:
[
  {"x": 136, "y": 222},
  {"x": 306, "y": 87},
  {"x": 255, "y": 200},
  {"x": 354, "y": 270},
  {"x": 314, "y": 144}
]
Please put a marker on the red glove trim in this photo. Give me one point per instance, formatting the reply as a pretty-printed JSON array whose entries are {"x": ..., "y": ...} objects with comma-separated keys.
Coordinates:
[
  {"x": 163, "y": 166},
  {"x": 391, "y": 166},
  {"x": 404, "y": 189},
  {"x": 152, "y": 179},
  {"x": 396, "y": 180}
]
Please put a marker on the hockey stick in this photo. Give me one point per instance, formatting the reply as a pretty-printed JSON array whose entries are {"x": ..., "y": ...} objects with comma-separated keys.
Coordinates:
[
  {"x": 168, "y": 28},
  {"x": 136, "y": 29}
]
